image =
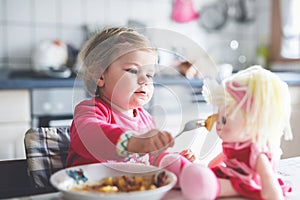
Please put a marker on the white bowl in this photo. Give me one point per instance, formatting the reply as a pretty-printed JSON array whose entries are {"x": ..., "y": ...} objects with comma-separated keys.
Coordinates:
[{"x": 95, "y": 172}]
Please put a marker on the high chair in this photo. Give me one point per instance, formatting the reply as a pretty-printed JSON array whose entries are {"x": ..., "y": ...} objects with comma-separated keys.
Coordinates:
[{"x": 46, "y": 152}]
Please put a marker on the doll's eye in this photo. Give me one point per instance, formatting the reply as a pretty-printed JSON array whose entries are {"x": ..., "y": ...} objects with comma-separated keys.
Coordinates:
[{"x": 223, "y": 120}]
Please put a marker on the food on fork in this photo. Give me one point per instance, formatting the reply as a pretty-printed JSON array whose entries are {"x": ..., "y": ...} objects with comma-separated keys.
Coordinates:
[{"x": 209, "y": 122}]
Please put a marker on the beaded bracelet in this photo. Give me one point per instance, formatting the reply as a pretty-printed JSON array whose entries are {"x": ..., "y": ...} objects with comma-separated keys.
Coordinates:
[{"x": 122, "y": 143}]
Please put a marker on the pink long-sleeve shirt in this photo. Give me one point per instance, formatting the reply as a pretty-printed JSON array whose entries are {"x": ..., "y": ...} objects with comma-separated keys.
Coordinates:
[{"x": 96, "y": 128}]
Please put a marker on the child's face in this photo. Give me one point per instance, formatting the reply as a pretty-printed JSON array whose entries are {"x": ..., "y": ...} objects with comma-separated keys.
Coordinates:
[
  {"x": 231, "y": 128},
  {"x": 128, "y": 81}
]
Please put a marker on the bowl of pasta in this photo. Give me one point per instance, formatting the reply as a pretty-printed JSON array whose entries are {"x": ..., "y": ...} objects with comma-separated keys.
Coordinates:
[{"x": 113, "y": 181}]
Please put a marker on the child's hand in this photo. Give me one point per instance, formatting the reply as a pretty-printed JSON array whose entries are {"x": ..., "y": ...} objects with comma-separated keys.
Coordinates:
[
  {"x": 153, "y": 142},
  {"x": 188, "y": 154}
]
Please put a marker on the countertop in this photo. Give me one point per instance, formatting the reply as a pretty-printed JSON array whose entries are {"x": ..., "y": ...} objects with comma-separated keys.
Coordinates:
[
  {"x": 291, "y": 78},
  {"x": 30, "y": 80}
]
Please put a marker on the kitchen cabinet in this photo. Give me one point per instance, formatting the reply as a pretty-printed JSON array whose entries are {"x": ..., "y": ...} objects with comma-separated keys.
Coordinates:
[
  {"x": 14, "y": 121},
  {"x": 292, "y": 148}
]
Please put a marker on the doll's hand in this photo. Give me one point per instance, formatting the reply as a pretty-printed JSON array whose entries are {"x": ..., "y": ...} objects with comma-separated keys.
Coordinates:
[
  {"x": 154, "y": 142},
  {"x": 188, "y": 154}
]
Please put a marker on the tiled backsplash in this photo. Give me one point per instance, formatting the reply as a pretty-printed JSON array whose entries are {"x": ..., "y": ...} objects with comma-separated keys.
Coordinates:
[{"x": 24, "y": 23}]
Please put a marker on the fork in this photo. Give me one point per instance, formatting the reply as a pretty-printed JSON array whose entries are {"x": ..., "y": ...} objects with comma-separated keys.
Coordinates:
[
  {"x": 191, "y": 125},
  {"x": 197, "y": 123}
]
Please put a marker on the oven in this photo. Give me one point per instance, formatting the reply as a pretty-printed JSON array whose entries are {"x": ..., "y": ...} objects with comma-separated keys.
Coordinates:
[{"x": 53, "y": 107}]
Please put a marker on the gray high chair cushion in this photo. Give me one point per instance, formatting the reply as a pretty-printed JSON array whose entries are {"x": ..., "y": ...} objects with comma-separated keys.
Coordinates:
[{"x": 46, "y": 153}]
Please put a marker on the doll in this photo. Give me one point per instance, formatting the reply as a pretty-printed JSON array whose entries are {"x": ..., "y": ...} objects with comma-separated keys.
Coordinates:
[{"x": 253, "y": 113}]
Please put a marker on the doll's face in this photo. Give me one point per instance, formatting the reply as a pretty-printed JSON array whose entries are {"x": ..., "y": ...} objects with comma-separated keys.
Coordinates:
[{"x": 231, "y": 128}]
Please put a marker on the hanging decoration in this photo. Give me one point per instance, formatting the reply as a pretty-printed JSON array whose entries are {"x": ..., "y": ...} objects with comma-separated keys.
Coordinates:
[{"x": 184, "y": 11}]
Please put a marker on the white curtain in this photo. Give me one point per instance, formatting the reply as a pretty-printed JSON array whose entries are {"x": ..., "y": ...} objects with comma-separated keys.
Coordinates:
[{"x": 290, "y": 18}]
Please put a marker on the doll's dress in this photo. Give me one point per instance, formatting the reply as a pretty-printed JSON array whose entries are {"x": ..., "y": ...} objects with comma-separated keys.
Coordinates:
[{"x": 240, "y": 160}]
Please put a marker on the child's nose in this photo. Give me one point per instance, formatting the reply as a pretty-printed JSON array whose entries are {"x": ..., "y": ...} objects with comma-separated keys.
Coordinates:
[{"x": 142, "y": 79}]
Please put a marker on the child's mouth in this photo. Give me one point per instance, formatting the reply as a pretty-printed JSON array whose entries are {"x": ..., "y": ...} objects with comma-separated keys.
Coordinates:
[{"x": 140, "y": 92}]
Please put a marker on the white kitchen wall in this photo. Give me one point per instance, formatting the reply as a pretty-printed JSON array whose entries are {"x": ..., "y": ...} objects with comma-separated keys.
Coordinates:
[{"x": 24, "y": 23}]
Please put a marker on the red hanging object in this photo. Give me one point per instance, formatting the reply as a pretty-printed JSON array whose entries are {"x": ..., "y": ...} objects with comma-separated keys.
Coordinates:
[{"x": 183, "y": 11}]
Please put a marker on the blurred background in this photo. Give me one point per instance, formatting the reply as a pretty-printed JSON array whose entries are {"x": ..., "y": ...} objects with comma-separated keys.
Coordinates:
[{"x": 231, "y": 31}]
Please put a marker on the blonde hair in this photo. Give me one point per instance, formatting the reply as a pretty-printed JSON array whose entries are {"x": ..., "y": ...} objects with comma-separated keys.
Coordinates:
[
  {"x": 265, "y": 99},
  {"x": 105, "y": 47}
]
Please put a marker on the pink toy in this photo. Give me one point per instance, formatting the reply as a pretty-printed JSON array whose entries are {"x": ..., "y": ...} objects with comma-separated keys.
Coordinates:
[
  {"x": 198, "y": 181},
  {"x": 183, "y": 11}
]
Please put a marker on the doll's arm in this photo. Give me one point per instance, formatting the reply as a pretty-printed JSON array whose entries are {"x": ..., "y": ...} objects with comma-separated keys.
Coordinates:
[
  {"x": 270, "y": 186},
  {"x": 218, "y": 160}
]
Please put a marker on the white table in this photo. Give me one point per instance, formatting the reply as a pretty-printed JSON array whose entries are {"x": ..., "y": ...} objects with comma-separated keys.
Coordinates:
[{"x": 289, "y": 169}]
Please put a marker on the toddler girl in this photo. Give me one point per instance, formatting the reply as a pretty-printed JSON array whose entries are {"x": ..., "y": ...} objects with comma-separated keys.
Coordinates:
[{"x": 118, "y": 69}]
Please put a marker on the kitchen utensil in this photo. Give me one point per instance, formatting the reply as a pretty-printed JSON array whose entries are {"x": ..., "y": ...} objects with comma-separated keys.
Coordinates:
[
  {"x": 50, "y": 58},
  {"x": 49, "y": 53},
  {"x": 213, "y": 16},
  {"x": 197, "y": 123},
  {"x": 242, "y": 11}
]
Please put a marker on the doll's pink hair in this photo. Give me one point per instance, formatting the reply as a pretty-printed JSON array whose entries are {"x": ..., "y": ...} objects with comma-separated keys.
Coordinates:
[{"x": 239, "y": 92}]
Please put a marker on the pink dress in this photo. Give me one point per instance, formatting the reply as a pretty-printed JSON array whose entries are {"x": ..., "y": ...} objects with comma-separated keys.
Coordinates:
[{"x": 240, "y": 161}]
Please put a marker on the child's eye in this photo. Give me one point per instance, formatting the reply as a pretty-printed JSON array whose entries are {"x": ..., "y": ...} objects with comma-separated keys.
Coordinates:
[
  {"x": 150, "y": 76},
  {"x": 132, "y": 71},
  {"x": 224, "y": 120}
]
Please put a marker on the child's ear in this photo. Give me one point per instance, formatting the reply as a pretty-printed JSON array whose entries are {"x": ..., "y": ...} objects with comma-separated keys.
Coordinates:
[{"x": 100, "y": 82}]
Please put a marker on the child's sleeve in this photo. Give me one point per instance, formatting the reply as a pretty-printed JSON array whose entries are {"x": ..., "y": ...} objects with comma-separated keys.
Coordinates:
[
  {"x": 94, "y": 118},
  {"x": 94, "y": 134}
]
